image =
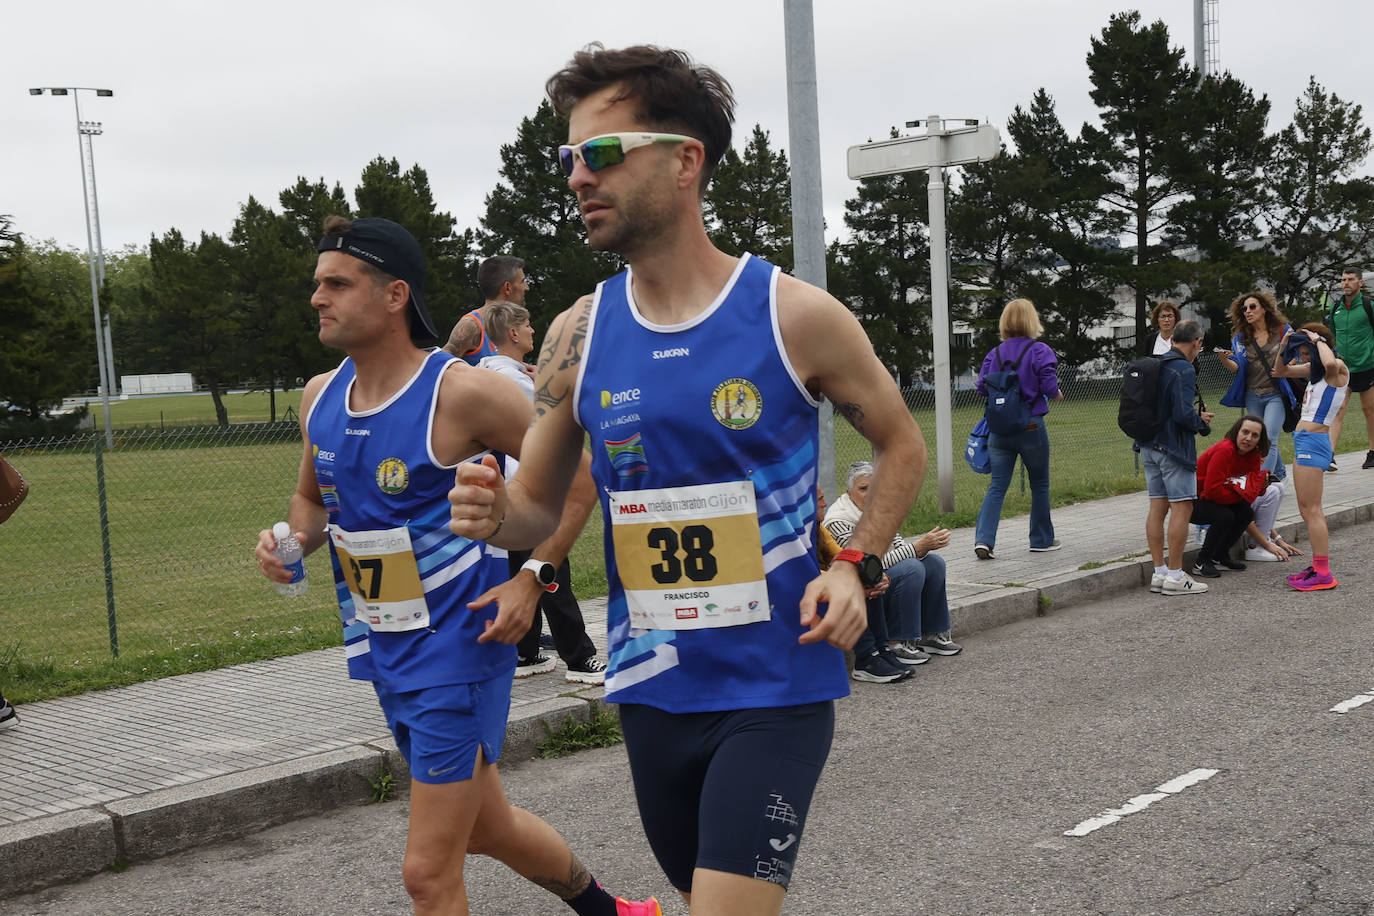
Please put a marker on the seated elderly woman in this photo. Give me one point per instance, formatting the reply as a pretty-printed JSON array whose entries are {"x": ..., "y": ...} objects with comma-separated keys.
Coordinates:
[{"x": 914, "y": 623}]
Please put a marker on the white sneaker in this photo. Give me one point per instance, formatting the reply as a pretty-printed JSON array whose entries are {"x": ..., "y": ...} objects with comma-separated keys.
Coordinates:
[
  {"x": 1187, "y": 585},
  {"x": 1156, "y": 583},
  {"x": 1259, "y": 555}
]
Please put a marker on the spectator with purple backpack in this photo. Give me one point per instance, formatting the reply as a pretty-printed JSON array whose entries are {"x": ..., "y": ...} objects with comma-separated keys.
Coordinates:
[{"x": 1019, "y": 378}]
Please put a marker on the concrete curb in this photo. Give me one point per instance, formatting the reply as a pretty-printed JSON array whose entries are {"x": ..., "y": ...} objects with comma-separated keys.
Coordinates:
[
  {"x": 1005, "y": 604},
  {"x": 76, "y": 844}
]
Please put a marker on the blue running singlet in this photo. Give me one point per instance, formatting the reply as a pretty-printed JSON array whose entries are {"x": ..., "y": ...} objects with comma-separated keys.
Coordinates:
[
  {"x": 403, "y": 579},
  {"x": 485, "y": 347},
  {"x": 704, "y": 446}
]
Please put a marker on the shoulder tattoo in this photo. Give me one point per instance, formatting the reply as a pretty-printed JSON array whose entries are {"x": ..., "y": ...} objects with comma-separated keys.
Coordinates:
[{"x": 465, "y": 337}]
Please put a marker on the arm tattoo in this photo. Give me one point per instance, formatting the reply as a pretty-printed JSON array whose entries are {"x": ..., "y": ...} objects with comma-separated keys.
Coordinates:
[
  {"x": 465, "y": 337},
  {"x": 577, "y": 881},
  {"x": 572, "y": 354},
  {"x": 854, "y": 413},
  {"x": 567, "y": 345}
]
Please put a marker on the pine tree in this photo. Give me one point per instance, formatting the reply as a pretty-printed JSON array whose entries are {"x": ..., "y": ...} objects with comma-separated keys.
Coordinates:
[
  {"x": 272, "y": 274},
  {"x": 1224, "y": 194},
  {"x": 887, "y": 260},
  {"x": 1320, "y": 218},
  {"x": 42, "y": 348},
  {"x": 749, "y": 203},
  {"x": 1144, "y": 93}
]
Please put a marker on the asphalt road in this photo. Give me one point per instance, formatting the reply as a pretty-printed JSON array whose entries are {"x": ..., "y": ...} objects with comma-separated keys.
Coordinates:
[{"x": 952, "y": 793}]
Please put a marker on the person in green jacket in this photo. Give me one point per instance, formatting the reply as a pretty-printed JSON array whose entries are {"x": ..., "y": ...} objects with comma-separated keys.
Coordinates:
[{"x": 1352, "y": 321}]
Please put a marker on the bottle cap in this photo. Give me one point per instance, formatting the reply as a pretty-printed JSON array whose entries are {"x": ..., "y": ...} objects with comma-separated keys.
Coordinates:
[{"x": 281, "y": 530}]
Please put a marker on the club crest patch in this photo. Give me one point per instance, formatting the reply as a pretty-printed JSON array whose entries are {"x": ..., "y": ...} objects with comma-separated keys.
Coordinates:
[
  {"x": 392, "y": 476},
  {"x": 736, "y": 403}
]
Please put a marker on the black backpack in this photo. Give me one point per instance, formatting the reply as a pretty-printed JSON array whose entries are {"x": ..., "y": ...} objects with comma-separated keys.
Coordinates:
[
  {"x": 1006, "y": 412},
  {"x": 1139, "y": 415}
]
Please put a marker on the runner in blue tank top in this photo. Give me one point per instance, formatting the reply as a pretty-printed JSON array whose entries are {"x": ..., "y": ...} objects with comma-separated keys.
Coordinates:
[
  {"x": 697, "y": 376},
  {"x": 501, "y": 278},
  {"x": 383, "y": 434}
]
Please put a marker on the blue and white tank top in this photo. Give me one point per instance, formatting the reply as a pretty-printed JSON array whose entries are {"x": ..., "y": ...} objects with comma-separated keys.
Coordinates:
[
  {"x": 403, "y": 579},
  {"x": 485, "y": 346},
  {"x": 1322, "y": 402},
  {"x": 704, "y": 447}
]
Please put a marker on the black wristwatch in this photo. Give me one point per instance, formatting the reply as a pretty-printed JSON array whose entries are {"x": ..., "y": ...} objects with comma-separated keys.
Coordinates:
[
  {"x": 544, "y": 572},
  {"x": 870, "y": 566}
]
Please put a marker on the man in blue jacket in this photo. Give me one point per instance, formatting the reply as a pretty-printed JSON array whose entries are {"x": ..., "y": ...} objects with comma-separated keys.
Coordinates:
[{"x": 1170, "y": 462}]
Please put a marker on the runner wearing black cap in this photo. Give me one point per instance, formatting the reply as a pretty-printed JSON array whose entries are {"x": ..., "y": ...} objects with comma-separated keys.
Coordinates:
[{"x": 428, "y": 617}]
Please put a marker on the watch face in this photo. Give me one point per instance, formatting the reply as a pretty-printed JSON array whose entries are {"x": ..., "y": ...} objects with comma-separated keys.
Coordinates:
[
  {"x": 546, "y": 574},
  {"x": 870, "y": 570}
]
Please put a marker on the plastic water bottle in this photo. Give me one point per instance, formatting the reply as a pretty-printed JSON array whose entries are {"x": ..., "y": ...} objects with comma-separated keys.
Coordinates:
[{"x": 293, "y": 558}]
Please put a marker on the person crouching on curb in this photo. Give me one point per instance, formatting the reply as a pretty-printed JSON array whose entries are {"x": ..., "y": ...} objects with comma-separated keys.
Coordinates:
[
  {"x": 1230, "y": 477},
  {"x": 1312, "y": 447}
]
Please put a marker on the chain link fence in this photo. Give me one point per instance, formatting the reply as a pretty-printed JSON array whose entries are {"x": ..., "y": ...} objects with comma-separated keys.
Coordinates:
[
  {"x": 136, "y": 561},
  {"x": 1090, "y": 458}
]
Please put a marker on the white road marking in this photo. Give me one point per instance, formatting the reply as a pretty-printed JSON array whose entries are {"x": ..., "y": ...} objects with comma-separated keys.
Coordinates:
[
  {"x": 1356, "y": 701},
  {"x": 1141, "y": 802}
]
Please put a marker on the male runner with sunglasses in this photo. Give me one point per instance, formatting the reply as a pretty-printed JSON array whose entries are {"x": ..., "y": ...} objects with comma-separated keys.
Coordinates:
[
  {"x": 698, "y": 376},
  {"x": 382, "y": 434}
]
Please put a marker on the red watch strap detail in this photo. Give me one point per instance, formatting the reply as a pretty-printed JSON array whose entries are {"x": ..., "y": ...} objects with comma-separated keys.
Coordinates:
[{"x": 850, "y": 555}]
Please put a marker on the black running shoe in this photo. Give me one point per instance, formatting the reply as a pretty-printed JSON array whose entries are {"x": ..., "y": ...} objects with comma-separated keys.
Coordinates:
[
  {"x": 539, "y": 664},
  {"x": 1230, "y": 564},
  {"x": 1205, "y": 569}
]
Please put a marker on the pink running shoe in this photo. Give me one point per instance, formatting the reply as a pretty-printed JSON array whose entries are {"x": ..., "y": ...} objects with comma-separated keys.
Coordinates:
[
  {"x": 1299, "y": 576},
  {"x": 625, "y": 907},
  {"x": 1314, "y": 583}
]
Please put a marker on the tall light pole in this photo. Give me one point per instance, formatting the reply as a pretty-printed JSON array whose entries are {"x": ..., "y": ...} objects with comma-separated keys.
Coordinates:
[
  {"x": 95, "y": 254},
  {"x": 808, "y": 214}
]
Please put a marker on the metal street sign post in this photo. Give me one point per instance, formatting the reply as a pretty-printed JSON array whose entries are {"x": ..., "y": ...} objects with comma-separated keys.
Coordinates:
[{"x": 938, "y": 149}]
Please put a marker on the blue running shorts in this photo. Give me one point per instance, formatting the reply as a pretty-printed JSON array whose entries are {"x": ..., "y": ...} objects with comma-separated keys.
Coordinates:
[
  {"x": 728, "y": 791},
  {"x": 439, "y": 729},
  {"x": 1313, "y": 450}
]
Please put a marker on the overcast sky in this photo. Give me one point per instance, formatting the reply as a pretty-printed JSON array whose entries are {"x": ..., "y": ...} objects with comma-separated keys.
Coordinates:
[{"x": 216, "y": 102}]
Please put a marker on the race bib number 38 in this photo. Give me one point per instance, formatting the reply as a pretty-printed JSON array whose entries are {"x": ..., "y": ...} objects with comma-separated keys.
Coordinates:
[
  {"x": 690, "y": 557},
  {"x": 379, "y": 568}
]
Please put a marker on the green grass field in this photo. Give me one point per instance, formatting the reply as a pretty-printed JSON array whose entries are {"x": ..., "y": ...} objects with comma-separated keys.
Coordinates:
[
  {"x": 196, "y": 409},
  {"x": 183, "y": 519}
]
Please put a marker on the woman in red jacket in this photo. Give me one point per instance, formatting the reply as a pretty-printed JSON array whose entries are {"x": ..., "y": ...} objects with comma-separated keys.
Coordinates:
[{"x": 1229, "y": 479}]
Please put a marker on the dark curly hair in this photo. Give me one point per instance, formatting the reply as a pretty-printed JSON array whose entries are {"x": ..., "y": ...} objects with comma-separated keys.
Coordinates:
[
  {"x": 1274, "y": 320},
  {"x": 675, "y": 94}
]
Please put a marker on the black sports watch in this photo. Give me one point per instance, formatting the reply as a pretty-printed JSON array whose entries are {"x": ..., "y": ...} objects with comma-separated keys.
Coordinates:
[
  {"x": 544, "y": 572},
  {"x": 870, "y": 566}
]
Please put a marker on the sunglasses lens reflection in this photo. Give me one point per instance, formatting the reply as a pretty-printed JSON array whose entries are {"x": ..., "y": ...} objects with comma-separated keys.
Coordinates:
[{"x": 602, "y": 152}]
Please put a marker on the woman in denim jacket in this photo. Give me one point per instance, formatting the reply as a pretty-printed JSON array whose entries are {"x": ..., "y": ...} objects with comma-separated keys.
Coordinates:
[{"x": 1257, "y": 327}]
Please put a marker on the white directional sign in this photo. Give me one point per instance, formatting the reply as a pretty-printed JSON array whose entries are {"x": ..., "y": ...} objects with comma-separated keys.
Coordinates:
[
  {"x": 934, "y": 152},
  {"x": 962, "y": 145}
]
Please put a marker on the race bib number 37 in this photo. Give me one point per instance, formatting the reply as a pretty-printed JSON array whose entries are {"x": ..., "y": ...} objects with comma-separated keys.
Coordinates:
[
  {"x": 690, "y": 557},
  {"x": 379, "y": 568}
]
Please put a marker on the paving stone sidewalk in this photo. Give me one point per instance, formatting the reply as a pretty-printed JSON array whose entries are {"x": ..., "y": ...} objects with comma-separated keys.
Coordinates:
[{"x": 143, "y": 771}]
